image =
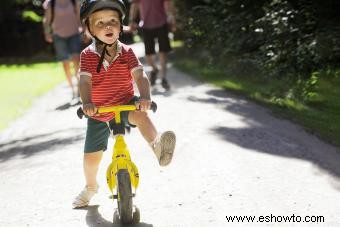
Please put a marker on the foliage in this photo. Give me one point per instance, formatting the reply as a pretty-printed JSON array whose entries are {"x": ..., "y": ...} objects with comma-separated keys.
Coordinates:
[
  {"x": 313, "y": 102},
  {"x": 31, "y": 16},
  {"x": 281, "y": 38},
  {"x": 21, "y": 28}
]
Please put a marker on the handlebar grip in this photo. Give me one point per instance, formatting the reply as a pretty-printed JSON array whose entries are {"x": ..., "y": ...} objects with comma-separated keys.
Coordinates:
[
  {"x": 80, "y": 113},
  {"x": 153, "y": 106}
]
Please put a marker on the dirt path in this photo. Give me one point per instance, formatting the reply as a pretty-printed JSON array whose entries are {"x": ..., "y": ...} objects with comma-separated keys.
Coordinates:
[{"x": 233, "y": 158}]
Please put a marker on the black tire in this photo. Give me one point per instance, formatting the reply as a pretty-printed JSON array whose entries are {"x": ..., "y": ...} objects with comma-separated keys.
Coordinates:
[
  {"x": 116, "y": 219},
  {"x": 124, "y": 197},
  {"x": 136, "y": 216}
]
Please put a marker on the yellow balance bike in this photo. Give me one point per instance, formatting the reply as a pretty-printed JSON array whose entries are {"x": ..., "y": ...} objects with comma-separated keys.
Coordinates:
[{"x": 122, "y": 174}]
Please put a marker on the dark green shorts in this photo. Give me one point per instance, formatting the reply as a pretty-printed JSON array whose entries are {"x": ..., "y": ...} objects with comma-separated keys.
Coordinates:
[{"x": 98, "y": 132}]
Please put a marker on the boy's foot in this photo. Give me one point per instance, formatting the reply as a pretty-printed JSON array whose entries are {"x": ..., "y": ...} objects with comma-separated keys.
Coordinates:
[
  {"x": 84, "y": 197},
  {"x": 165, "y": 84},
  {"x": 164, "y": 147},
  {"x": 153, "y": 76}
]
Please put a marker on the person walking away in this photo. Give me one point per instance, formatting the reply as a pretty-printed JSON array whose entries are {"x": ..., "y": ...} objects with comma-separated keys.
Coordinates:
[
  {"x": 157, "y": 17},
  {"x": 62, "y": 27}
]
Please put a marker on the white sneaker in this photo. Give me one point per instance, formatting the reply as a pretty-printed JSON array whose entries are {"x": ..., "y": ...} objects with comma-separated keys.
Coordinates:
[
  {"x": 84, "y": 197},
  {"x": 164, "y": 147}
]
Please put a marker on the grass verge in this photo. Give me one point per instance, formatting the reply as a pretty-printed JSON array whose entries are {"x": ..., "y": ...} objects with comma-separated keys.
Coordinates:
[
  {"x": 21, "y": 84},
  {"x": 319, "y": 114}
]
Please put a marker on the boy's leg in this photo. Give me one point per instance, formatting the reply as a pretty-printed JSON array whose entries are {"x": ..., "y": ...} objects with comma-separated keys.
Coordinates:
[
  {"x": 96, "y": 140},
  {"x": 144, "y": 124},
  {"x": 91, "y": 163},
  {"x": 163, "y": 144}
]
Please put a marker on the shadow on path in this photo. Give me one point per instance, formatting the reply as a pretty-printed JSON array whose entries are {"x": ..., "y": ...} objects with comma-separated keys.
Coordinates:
[
  {"x": 156, "y": 90},
  {"x": 95, "y": 219},
  {"x": 29, "y": 146},
  {"x": 69, "y": 105},
  {"x": 269, "y": 135}
]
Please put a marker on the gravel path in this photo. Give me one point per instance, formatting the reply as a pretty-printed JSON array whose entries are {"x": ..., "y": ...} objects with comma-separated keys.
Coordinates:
[{"x": 233, "y": 157}]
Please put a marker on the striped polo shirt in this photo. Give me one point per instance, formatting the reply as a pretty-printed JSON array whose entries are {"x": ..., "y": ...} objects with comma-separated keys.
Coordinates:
[{"x": 113, "y": 85}]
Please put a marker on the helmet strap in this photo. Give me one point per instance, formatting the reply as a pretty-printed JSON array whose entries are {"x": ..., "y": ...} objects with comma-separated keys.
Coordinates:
[
  {"x": 104, "y": 51},
  {"x": 101, "y": 59}
]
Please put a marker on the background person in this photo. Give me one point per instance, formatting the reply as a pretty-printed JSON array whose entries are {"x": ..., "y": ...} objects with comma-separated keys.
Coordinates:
[
  {"x": 157, "y": 17},
  {"x": 62, "y": 28}
]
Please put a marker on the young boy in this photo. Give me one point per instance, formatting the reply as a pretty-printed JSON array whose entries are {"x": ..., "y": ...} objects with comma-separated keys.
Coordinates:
[{"x": 108, "y": 69}]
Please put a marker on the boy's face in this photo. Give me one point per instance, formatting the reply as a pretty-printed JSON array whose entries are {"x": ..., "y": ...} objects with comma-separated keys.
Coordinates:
[{"x": 105, "y": 25}]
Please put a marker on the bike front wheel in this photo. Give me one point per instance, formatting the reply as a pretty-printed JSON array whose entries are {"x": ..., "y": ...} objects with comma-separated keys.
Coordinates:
[{"x": 125, "y": 206}]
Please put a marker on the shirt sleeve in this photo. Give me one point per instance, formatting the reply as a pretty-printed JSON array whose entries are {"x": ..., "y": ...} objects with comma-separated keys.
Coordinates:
[
  {"x": 85, "y": 66},
  {"x": 133, "y": 61}
]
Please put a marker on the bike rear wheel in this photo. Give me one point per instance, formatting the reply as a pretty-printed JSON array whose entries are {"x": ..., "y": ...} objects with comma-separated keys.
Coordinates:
[{"x": 125, "y": 206}]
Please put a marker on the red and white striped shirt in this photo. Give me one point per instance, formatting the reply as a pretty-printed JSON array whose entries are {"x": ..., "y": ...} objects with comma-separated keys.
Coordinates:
[{"x": 113, "y": 85}]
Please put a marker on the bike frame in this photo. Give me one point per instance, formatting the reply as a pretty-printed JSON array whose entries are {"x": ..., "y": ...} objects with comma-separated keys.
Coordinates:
[
  {"x": 120, "y": 155},
  {"x": 122, "y": 175}
]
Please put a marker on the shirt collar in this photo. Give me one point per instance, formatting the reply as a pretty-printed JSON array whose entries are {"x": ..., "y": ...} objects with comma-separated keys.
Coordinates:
[{"x": 93, "y": 47}]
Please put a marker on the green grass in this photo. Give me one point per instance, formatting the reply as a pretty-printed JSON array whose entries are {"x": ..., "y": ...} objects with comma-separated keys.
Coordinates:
[
  {"x": 21, "y": 84},
  {"x": 319, "y": 115}
]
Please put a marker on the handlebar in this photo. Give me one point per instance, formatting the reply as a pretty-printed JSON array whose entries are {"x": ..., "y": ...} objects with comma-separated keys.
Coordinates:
[{"x": 116, "y": 109}]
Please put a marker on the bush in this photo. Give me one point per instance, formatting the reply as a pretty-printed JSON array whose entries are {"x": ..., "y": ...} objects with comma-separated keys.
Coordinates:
[{"x": 281, "y": 38}]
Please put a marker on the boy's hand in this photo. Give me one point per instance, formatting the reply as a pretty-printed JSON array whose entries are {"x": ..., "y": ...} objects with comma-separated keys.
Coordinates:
[
  {"x": 90, "y": 109},
  {"x": 143, "y": 105}
]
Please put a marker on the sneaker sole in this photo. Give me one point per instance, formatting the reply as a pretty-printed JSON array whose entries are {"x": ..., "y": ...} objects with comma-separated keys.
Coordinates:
[
  {"x": 168, "y": 142},
  {"x": 84, "y": 204}
]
